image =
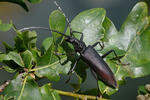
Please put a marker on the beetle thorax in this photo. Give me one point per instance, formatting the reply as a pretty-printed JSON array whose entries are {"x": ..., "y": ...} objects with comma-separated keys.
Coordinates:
[{"x": 78, "y": 45}]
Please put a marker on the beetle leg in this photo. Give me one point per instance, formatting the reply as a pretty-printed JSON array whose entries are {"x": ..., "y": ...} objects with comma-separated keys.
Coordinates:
[
  {"x": 72, "y": 70},
  {"x": 81, "y": 38},
  {"x": 107, "y": 53},
  {"x": 74, "y": 66},
  {"x": 95, "y": 76},
  {"x": 117, "y": 58},
  {"x": 101, "y": 45},
  {"x": 68, "y": 78},
  {"x": 57, "y": 54}
]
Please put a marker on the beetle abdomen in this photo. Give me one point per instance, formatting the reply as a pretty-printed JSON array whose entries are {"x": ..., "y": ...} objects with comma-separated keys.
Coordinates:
[{"x": 96, "y": 62}]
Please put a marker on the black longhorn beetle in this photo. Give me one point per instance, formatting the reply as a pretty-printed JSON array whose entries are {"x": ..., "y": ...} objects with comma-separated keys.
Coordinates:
[{"x": 88, "y": 54}]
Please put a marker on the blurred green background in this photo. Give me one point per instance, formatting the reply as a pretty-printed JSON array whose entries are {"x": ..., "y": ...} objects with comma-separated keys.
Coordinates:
[{"x": 117, "y": 11}]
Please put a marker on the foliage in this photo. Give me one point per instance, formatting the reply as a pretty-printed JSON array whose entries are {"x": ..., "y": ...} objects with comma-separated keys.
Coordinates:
[
  {"x": 30, "y": 63},
  {"x": 5, "y": 27},
  {"x": 144, "y": 92}
]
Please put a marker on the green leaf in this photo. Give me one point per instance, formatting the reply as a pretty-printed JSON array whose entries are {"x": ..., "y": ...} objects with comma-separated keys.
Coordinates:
[
  {"x": 48, "y": 64},
  {"x": 48, "y": 94},
  {"x": 20, "y": 89},
  {"x": 135, "y": 23},
  {"x": 24, "y": 52},
  {"x": 11, "y": 64},
  {"x": 27, "y": 58},
  {"x": 105, "y": 90},
  {"x": 25, "y": 40},
  {"x": 4, "y": 57},
  {"x": 142, "y": 90},
  {"x": 90, "y": 23},
  {"x": 76, "y": 87},
  {"x": 5, "y": 98},
  {"x": 19, "y": 44},
  {"x": 109, "y": 29},
  {"x": 34, "y": 1},
  {"x": 131, "y": 42},
  {"x": 57, "y": 22},
  {"x": 28, "y": 89},
  {"x": 47, "y": 57},
  {"x": 133, "y": 38},
  {"x": 8, "y": 69},
  {"x": 14, "y": 56},
  {"x": 55, "y": 95},
  {"x": 29, "y": 38},
  {"x": 49, "y": 73},
  {"x": 46, "y": 44},
  {"x": 8, "y": 48},
  {"x": 5, "y": 27},
  {"x": 45, "y": 91},
  {"x": 35, "y": 54}
]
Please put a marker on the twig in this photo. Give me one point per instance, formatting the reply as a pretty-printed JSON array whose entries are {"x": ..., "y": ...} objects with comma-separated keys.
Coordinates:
[
  {"x": 19, "y": 98},
  {"x": 80, "y": 96},
  {"x": 2, "y": 87}
]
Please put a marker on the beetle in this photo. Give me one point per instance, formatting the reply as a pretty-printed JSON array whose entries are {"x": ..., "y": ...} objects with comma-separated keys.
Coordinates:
[{"x": 88, "y": 54}]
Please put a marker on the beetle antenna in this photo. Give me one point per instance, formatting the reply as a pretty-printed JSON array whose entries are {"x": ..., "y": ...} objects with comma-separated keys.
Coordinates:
[
  {"x": 67, "y": 19},
  {"x": 44, "y": 28}
]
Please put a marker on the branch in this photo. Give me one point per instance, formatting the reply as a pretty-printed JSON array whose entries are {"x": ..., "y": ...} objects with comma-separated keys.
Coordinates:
[
  {"x": 2, "y": 87},
  {"x": 80, "y": 96},
  {"x": 23, "y": 86}
]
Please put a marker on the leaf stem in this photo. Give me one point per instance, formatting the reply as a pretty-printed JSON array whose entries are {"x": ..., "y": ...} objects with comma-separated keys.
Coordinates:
[
  {"x": 80, "y": 96},
  {"x": 43, "y": 67},
  {"x": 46, "y": 66},
  {"x": 24, "y": 82}
]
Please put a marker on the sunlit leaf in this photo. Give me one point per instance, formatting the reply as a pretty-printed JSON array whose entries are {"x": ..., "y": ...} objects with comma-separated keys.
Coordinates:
[
  {"x": 142, "y": 90},
  {"x": 90, "y": 23},
  {"x": 23, "y": 89},
  {"x": 48, "y": 64},
  {"x": 25, "y": 40},
  {"x": 5, "y": 27},
  {"x": 48, "y": 94},
  {"x": 27, "y": 58},
  {"x": 8, "y": 48},
  {"x": 46, "y": 44},
  {"x": 34, "y": 1},
  {"x": 131, "y": 42},
  {"x": 8, "y": 69},
  {"x": 16, "y": 58}
]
